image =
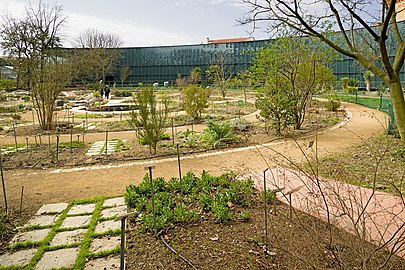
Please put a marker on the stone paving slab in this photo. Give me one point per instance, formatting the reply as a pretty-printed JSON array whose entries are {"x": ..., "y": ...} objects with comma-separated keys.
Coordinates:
[
  {"x": 82, "y": 209},
  {"x": 74, "y": 222},
  {"x": 97, "y": 146},
  {"x": 65, "y": 257},
  {"x": 113, "y": 212},
  {"x": 20, "y": 258},
  {"x": 114, "y": 202},
  {"x": 104, "y": 226},
  {"x": 68, "y": 237},
  {"x": 43, "y": 220},
  {"x": 34, "y": 236},
  {"x": 105, "y": 243},
  {"x": 51, "y": 208},
  {"x": 109, "y": 263}
]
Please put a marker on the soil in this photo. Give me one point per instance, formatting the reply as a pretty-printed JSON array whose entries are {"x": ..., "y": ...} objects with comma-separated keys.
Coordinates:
[
  {"x": 233, "y": 249},
  {"x": 242, "y": 245}
]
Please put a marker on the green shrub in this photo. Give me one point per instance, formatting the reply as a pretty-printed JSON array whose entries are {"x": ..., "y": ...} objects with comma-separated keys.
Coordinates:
[
  {"x": 7, "y": 85},
  {"x": 218, "y": 134},
  {"x": 15, "y": 116},
  {"x": 333, "y": 105},
  {"x": 244, "y": 215},
  {"x": 210, "y": 194},
  {"x": 3, "y": 97},
  {"x": 220, "y": 212},
  {"x": 269, "y": 196},
  {"x": 123, "y": 93},
  {"x": 25, "y": 98}
]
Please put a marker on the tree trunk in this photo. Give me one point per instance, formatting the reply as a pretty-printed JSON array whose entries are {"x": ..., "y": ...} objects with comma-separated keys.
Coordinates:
[
  {"x": 398, "y": 103},
  {"x": 368, "y": 86}
]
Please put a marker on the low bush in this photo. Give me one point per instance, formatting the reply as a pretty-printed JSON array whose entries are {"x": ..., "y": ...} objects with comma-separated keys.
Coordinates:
[
  {"x": 123, "y": 93},
  {"x": 218, "y": 134},
  {"x": 332, "y": 105},
  {"x": 222, "y": 198},
  {"x": 7, "y": 85}
]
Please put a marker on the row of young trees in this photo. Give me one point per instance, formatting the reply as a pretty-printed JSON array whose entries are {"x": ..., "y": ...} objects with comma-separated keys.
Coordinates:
[{"x": 33, "y": 44}]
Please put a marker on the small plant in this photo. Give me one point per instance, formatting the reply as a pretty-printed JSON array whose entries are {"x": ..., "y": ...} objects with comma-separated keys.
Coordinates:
[
  {"x": 269, "y": 196},
  {"x": 218, "y": 134},
  {"x": 123, "y": 93},
  {"x": 220, "y": 212},
  {"x": 222, "y": 197},
  {"x": 332, "y": 105},
  {"x": 244, "y": 215}
]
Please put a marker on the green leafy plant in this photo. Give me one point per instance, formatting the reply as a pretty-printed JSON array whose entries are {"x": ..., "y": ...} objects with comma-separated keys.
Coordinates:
[
  {"x": 332, "y": 105},
  {"x": 218, "y": 134},
  {"x": 195, "y": 100}
]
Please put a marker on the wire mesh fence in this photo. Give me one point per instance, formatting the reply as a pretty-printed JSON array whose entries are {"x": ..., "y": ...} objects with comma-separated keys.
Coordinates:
[{"x": 374, "y": 100}]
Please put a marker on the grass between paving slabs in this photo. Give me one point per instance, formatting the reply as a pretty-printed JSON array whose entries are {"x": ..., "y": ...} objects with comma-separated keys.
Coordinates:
[{"x": 84, "y": 255}]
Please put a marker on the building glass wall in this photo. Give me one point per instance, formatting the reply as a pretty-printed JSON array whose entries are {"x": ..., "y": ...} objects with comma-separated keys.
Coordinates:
[{"x": 166, "y": 63}]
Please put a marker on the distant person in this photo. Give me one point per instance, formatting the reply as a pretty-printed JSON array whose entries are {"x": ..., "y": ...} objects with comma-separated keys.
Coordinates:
[
  {"x": 107, "y": 91},
  {"x": 101, "y": 93}
]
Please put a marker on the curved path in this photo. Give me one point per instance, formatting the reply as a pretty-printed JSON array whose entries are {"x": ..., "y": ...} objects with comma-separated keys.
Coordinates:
[{"x": 51, "y": 186}]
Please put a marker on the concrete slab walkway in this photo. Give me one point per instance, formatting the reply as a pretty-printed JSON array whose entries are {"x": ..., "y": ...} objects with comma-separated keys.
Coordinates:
[{"x": 79, "y": 235}]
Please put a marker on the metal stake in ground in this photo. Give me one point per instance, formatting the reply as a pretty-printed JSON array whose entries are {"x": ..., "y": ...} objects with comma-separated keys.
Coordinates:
[
  {"x": 265, "y": 202},
  {"x": 123, "y": 218},
  {"x": 2, "y": 181},
  {"x": 84, "y": 128},
  {"x": 15, "y": 138},
  {"x": 49, "y": 142},
  {"x": 71, "y": 139},
  {"x": 21, "y": 198},
  {"x": 152, "y": 193},
  {"x": 106, "y": 142},
  {"x": 173, "y": 131},
  {"x": 178, "y": 162},
  {"x": 57, "y": 148}
]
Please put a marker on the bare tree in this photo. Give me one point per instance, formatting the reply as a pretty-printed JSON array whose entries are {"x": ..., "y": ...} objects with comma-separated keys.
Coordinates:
[
  {"x": 367, "y": 32},
  {"x": 34, "y": 41},
  {"x": 97, "y": 53},
  {"x": 124, "y": 73},
  {"x": 220, "y": 71}
]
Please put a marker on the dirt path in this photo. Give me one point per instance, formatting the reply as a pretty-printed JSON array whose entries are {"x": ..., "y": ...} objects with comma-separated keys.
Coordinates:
[{"x": 51, "y": 186}]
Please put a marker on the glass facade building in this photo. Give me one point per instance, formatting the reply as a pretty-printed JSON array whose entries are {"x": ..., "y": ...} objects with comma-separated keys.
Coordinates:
[{"x": 165, "y": 63}]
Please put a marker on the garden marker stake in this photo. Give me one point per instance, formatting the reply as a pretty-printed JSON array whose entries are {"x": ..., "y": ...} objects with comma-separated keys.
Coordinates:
[
  {"x": 153, "y": 198},
  {"x": 2, "y": 181},
  {"x": 15, "y": 138},
  {"x": 178, "y": 162},
  {"x": 265, "y": 202},
  {"x": 106, "y": 142}
]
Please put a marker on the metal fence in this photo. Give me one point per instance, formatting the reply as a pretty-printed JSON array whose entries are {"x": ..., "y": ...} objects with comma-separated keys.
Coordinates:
[{"x": 374, "y": 100}]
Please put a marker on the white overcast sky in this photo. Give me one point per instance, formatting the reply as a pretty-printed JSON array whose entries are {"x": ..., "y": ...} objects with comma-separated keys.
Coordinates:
[{"x": 148, "y": 22}]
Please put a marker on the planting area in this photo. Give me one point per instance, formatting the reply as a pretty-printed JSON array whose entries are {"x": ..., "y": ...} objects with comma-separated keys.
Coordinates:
[{"x": 215, "y": 220}]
